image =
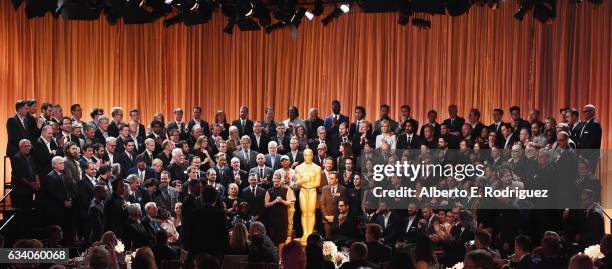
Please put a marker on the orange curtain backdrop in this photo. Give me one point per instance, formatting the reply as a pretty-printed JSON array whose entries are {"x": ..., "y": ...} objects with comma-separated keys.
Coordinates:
[{"x": 484, "y": 59}]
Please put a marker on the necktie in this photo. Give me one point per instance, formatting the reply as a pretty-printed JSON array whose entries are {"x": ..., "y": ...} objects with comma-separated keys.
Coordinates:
[
  {"x": 141, "y": 176},
  {"x": 247, "y": 157},
  {"x": 253, "y": 191},
  {"x": 23, "y": 123},
  {"x": 272, "y": 160},
  {"x": 409, "y": 139},
  {"x": 261, "y": 173},
  {"x": 333, "y": 190}
]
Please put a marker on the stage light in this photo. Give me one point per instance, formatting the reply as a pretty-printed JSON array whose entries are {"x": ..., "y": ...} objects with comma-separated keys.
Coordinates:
[
  {"x": 262, "y": 13},
  {"x": 297, "y": 17},
  {"x": 318, "y": 8},
  {"x": 334, "y": 14},
  {"x": 79, "y": 10},
  {"x": 406, "y": 11},
  {"x": 345, "y": 8},
  {"x": 309, "y": 15},
  {"x": 525, "y": 6},
  {"x": 458, "y": 7}
]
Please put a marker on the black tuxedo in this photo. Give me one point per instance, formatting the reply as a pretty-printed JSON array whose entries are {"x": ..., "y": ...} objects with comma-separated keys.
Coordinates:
[
  {"x": 589, "y": 139},
  {"x": 16, "y": 131},
  {"x": 262, "y": 146},
  {"x": 165, "y": 158},
  {"x": 454, "y": 125},
  {"x": 244, "y": 179},
  {"x": 247, "y": 129},
  {"x": 224, "y": 175},
  {"x": 354, "y": 128},
  {"x": 52, "y": 194},
  {"x": 158, "y": 146},
  {"x": 256, "y": 203},
  {"x": 404, "y": 143},
  {"x": 509, "y": 142},
  {"x": 136, "y": 235},
  {"x": 332, "y": 147},
  {"x": 523, "y": 124},
  {"x": 99, "y": 137},
  {"x": 173, "y": 125},
  {"x": 86, "y": 195},
  {"x": 125, "y": 162},
  {"x": 299, "y": 157},
  {"x": 113, "y": 129},
  {"x": 203, "y": 124},
  {"x": 436, "y": 127},
  {"x": 392, "y": 229},
  {"x": 41, "y": 157},
  {"x": 115, "y": 215},
  {"x": 147, "y": 158},
  {"x": 476, "y": 130},
  {"x": 497, "y": 129},
  {"x": 378, "y": 252},
  {"x": 409, "y": 231},
  {"x": 312, "y": 126},
  {"x": 345, "y": 231}
]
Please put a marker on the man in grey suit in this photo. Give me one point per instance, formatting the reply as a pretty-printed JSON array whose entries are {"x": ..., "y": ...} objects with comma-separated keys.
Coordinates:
[
  {"x": 264, "y": 173},
  {"x": 330, "y": 195},
  {"x": 273, "y": 158},
  {"x": 167, "y": 195},
  {"x": 245, "y": 154}
]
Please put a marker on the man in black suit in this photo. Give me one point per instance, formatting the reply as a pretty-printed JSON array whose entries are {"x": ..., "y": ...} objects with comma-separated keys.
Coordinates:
[
  {"x": 515, "y": 114},
  {"x": 344, "y": 227},
  {"x": 196, "y": 119},
  {"x": 377, "y": 251},
  {"x": 149, "y": 153},
  {"x": 282, "y": 139},
  {"x": 204, "y": 235},
  {"x": 191, "y": 202},
  {"x": 55, "y": 199},
  {"x": 126, "y": 158},
  {"x": 136, "y": 234},
  {"x": 246, "y": 156},
  {"x": 150, "y": 221},
  {"x": 95, "y": 215},
  {"x": 254, "y": 195},
  {"x": 113, "y": 126},
  {"x": 115, "y": 214},
  {"x": 43, "y": 150},
  {"x": 157, "y": 135},
  {"x": 404, "y": 117},
  {"x": 124, "y": 135},
  {"x": 590, "y": 136},
  {"x": 176, "y": 168},
  {"x": 140, "y": 128},
  {"x": 243, "y": 123},
  {"x": 409, "y": 139},
  {"x": 178, "y": 124},
  {"x": 522, "y": 253},
  {"x": 17, "y": 128},
  {"x": 237, "y": 175},
  {"x": 323, "y": 138},
  {"x": 474, "y": 121},
  {"x": 295, "y": 155},
  {"x": 141, "y": 169},
  {"x": 498, "y": 115},
  {"x": 454, "y": 122},
  {"x": 332, "y": 122},
  {"x": 432, "y": 117},
  {"x": 360, "y": 113},
  {"x": 273, "y": 158},
  {"x": 313, "y": 123},
  {"x": 259, "y": 141},
  {"x": 410, "y": 231},
  {"x": 86, "y": 195},
  {"x": 508, "y": 136},
  {"x": 102, "y": 129},
  {"x": 24, "y": 185},
  {"x": 390, "y": 222}
]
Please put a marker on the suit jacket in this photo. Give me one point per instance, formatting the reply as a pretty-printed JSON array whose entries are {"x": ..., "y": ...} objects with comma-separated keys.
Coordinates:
[
  {"x": 409, "y": 232},
  {"x": 164, "y": 158},
  {"x": 15, "y": 133},
  {"x": 268, "y": 173},
  {"x": 403, "y": 143},
  {"x": 151, "y": 225},
  {"x": 172, "y": 125},
  {"x": 113, "y": 129},
  {"x": 158, "y": 146},
  {"x": 86, "y": 195},
  {"x": 224, "y": 175},
  {"x": 177, "y": 171},
  {"x": 190, "y": 204},
  {"x": 204, "y": 235},
  {"x": 244, "y": 179},
  {"x": 347, "y": 229},
  {"x": 246, "y": 164},
  {"x": 166, "y": 198},
  {"x": 41, "y": 157},
  {"x": 284, "y": 141},
  {"x": 136, "y": 235},
  {"x": 256, "y": 203},
  {"x": 590, "y": 135},
  {"x": 328, "y": 123},
  {"x": 509, "y": 142},
  {"x": 392, "y": 228},
  {"x": 328, "y": 201},
  {"x": 203, "y": 124},
  {"x": 299, "y": 157},
  {"x": 497, "y": 129},
  {"x": 400, "y": 125},
  {"x": 247, "y": 129},
  {"x": 277, "y": 160},
  {"x": 32, "y": 126},
  {"x": 115, "y": 215},
  {"x": 355, "y": 198},
  {"x": 72, "y": 177},
  {"x": 378, "y": 252},
  {"x": 436, "y": 127},
  {"x": 262, "y": 147},
  {"x": 95, "y": 220},
  {"x": 52, "y": 194},
  {"x": 125, "y": 162},
  {"x": 312, "y": 126},
  {"x": 99, "y": 137},
  {"x": 149, "y": 172},
  {"x": 147, "y": 158},
  {"x": 454, "y": 125}
]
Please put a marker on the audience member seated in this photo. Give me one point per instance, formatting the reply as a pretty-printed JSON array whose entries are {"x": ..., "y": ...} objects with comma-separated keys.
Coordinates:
[
  {"x": 479, "y": 259},
  {"x": 314, "y": 253},
  {"x": 261, "y": 248},
  {"x": 580, "y": 261},
  {"x": 162, "y": 251},
  {"x": 357, "y": 257},
  {"x": 377, "y": 251},
  {"x": 144, "y": 259},
  {"x": 293, "y": 256},
  {"x": 424, "y": 255},
  {"x": 239, "y": 240}
]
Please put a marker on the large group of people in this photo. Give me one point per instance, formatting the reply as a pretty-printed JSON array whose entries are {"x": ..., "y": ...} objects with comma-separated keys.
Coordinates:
[{"x": 212, "y": 189}]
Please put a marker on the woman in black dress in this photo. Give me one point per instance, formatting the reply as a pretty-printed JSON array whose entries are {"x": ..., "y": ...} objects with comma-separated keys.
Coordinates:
[{"x": 278, "y": 199}]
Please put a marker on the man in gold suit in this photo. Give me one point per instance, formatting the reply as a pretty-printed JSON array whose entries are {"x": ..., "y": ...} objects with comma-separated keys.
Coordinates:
[{"x": 308, "y": 177}]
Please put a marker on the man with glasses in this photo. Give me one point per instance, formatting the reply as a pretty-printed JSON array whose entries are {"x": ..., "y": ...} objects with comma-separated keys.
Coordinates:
[
  {"x": 113, "y": 127},
  {"x": 589, "y": 138}
]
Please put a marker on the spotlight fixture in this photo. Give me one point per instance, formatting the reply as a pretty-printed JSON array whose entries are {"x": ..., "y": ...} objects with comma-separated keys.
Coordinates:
[
  {"x": 318, "y": 8},
  {"x": 406, "y": 10},
  {"x": 458, "y": 7},
  {"x": 309, "y": 15},
  {"x": 524, "y": 7},
  {"x": 297, "y": 17},
  {"x": 345, "y": 7},
  {"x": 545, "y": 11},
  {"x": 421, "y": 23}
]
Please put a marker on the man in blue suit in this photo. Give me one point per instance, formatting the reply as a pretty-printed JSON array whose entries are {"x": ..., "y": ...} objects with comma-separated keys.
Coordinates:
[
  {"x": 332, "y": 122},
  {"x": 141, "y": 170}
]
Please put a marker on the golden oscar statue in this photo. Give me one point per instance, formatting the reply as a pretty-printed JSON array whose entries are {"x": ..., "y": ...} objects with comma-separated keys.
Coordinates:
[{"x": 308, "y": 177}]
